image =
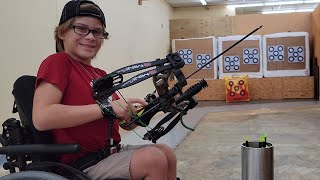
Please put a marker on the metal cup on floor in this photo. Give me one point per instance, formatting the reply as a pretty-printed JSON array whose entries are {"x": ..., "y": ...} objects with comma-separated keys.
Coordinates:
[{"x": 257, "y": 161}]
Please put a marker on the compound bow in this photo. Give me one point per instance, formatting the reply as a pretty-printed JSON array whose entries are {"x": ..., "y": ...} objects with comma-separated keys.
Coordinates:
[{"x": 172, "y": 101}]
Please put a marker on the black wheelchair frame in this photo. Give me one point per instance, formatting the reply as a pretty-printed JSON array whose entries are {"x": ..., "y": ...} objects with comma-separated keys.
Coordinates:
[{"x": 31, "y": 154}]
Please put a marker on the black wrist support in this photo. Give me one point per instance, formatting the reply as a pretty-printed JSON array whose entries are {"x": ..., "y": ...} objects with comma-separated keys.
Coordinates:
[{"x": 107, "y": 111}]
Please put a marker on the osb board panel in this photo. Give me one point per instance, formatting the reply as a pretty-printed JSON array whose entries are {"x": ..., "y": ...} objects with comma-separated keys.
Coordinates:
[
  {"x": 272, "y": 23},
  {"x": 286, "y": 42},
  {"x": 300, "y": 87},
  {"x": 195, "y": 28},
  {"x": 261, "y": 88},
  {"x": 265, "y": 88},
  {"x": 281, "y": 88},
  {"x": 198, "y": 46},
  {"x": 238, "y": 51},
  {"x": 316, "y": 32}
]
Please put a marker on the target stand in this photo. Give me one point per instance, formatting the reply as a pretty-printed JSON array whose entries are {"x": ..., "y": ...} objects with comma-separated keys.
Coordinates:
[
  {"x": 243, "y": 59},
  {"x": 286, "y": 54},
  {"x": 196, "y": 53}
]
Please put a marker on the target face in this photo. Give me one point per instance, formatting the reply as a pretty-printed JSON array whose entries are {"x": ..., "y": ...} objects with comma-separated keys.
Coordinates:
[
  {"x": 231, "y": 63},
  {"x": 275, "y": 53},
  {"x": 186, "y": 55},
  {"x": 237, "y": 88},
  {"x": 296, "y": 54},
  {"x": 202, "y": 59},
  {"x": 251, "y": 56}
]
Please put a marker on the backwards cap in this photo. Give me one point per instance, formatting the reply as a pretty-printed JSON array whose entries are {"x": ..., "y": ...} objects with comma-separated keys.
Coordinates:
[{"x": 72, "y": 9}]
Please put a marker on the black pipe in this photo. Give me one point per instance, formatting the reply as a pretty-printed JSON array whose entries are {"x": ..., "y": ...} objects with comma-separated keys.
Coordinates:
[{"x": 40, "y": 149}]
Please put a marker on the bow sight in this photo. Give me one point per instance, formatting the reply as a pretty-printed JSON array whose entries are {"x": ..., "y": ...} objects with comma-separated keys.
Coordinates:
[{"x": 172, "y": 101}]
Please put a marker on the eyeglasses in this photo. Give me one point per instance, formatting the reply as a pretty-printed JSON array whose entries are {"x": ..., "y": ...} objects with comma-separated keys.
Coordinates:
[{"x": 84, "y": 31}]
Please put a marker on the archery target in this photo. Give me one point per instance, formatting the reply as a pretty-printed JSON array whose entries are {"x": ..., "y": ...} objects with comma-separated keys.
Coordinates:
[
  {"x": 275, "y": 53},
  {"x": 186, "y": 55},
  {"x": 231, "y": 63},
  {"x": 237, "y": 88},
  {"x": 202, "y": 59},
  {"x": 293, "y": 47},
  {"x": 295, "y": 54},
  {"x": 251, "y": 56}
]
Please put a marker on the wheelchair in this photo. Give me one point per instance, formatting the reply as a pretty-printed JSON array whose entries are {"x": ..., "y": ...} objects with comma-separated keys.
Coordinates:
[{"x": 31, "y": 154}]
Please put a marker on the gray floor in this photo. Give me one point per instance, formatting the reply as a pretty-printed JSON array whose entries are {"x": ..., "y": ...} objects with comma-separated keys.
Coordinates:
[{"x": 213, "y": 150}]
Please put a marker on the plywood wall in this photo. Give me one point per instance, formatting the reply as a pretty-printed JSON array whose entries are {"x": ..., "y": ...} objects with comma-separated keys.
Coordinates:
[
  {"x": 265, "y": 88},
  {"x": 316, "y": 35},
  {"x": 240, "y": 25},
  {"x": 195, "y": 28},
  {"x": 273, "y": 88},
  {"x": 316, "y": 32},
  {"x": 273, "y": 23}
]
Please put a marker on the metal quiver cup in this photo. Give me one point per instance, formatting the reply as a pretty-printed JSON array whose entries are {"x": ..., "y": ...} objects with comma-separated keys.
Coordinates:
[{"x": 257, "y": 161}]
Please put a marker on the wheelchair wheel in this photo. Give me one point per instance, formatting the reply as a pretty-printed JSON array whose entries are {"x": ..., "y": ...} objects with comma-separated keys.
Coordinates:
[{"x": 32, "y": 175}]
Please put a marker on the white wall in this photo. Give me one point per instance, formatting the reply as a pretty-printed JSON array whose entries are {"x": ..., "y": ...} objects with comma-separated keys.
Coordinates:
[
  {"x": 138, "y": 33},
  {"x": 26, "y": 37}
]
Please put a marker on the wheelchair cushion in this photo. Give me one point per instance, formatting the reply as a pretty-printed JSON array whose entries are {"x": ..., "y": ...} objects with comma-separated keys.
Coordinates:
[{"x": 23, "y": 92}]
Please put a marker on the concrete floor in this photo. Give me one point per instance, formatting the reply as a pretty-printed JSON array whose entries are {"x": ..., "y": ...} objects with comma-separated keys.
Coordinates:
[{"x": 213, "y": 150}]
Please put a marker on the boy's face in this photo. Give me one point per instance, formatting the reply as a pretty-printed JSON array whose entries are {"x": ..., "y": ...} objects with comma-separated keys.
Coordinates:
[{"x": 82, "y": 47}]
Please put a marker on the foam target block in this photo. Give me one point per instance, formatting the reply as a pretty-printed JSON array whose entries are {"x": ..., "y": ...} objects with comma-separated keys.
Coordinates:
[
  {"x": 197, "y": 53},
  {"x": 286, "y": 54},
  {"x": 243, "y": 59},
  {"x": 237, "y": 88}
]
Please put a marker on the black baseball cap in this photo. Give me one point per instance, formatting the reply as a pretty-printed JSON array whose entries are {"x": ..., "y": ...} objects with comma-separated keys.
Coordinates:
[{"x": 72, "y": 9}]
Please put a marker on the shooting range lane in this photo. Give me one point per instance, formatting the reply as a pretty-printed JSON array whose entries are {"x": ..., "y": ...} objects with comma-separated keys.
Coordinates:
[{"x": 213, "y": 150}]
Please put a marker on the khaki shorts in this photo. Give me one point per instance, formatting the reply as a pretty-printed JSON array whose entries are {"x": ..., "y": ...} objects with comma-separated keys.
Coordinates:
[{"x": 114, "y": 166}]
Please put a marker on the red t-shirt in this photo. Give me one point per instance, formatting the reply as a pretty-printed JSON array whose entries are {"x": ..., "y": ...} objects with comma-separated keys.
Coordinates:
[{"x": 73, "y": 79}]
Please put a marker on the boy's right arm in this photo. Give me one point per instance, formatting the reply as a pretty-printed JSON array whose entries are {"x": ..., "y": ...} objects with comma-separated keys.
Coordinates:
[{"x": 49, "y": 114}]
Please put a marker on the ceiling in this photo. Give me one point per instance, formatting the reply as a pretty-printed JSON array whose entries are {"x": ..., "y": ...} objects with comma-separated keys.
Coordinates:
[{"x": 245, "y": 10}]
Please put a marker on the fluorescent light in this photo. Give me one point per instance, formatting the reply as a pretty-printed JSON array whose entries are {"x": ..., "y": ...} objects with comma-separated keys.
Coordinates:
[
  {"x": 287, "y": 11},
  {"x": 282, "y": 3},
  {"x": 203, "y": 2},
  {"x": 275, "y": 12},
  {"x": 304, "y": 10},
  {"x": 271, "y": 3},
  {"x": 311, "y": 1},
  {"x": 245, "y": 5}
]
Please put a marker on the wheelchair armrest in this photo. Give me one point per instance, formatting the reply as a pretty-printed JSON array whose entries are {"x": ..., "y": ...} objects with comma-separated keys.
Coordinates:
[{"x": 28, "y": 149}]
